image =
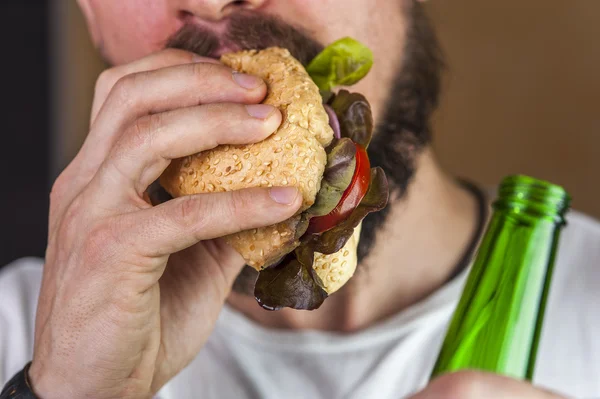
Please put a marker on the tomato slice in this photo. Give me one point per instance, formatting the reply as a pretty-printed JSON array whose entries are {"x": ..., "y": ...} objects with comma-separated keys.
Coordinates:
[{"x": 350, "y": 199}]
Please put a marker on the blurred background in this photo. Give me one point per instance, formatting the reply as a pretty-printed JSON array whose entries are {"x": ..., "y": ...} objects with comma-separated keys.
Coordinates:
[{"x": 521, "y": 95}]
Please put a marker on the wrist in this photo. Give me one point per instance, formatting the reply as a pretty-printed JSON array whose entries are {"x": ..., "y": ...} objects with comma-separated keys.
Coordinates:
[{"x": 44, "y": 385}]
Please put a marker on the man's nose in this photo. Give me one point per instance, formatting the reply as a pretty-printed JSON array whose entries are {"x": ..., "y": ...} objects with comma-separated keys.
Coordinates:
[{"x": 215, "y": 10}]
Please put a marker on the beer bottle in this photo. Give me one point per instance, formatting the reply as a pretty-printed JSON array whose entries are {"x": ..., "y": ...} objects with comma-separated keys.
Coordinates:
[{"x": 496, "y": 326}]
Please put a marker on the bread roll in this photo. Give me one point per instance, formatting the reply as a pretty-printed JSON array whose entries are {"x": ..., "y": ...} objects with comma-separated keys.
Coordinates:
[{"x": 292, "y": 156}]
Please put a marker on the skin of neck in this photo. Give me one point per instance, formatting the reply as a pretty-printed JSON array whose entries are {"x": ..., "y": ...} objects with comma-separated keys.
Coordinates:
[{"x": 415, "y": 253}]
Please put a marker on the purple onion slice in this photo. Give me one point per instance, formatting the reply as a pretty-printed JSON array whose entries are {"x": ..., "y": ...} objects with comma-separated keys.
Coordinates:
[{"x": 333, "y": 121}]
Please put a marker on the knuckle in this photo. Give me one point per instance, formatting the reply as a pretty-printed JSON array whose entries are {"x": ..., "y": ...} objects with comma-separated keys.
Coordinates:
[
  {"x": 189, "y": 214},
  {"x": 462, "y": 384},
  {"x": 239, "y": 204},
  {"x": 144, "y": 130},
  {"x": 100, "y": 241},
  {"x": 203, "y": 71},
  {"x": 124, "y": 88},
  {"x": 59, "y": 187},
  {"x": 107, "y": 79}
]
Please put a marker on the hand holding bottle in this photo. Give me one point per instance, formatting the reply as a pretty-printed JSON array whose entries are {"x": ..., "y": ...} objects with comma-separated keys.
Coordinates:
[{"x": 477, "y": 385}]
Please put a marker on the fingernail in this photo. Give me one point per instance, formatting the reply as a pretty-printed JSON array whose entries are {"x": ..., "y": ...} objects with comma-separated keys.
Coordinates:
[
  {"x": 260, "y": 111},
  {"x": 284, "y": 195},
  {"x": 247, "y": 81}
]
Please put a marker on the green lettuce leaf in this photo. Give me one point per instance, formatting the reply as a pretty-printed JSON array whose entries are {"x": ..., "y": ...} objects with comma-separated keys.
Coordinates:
[
  {"x": 341, "y": 163},
  {"x": 343, "y": 63},
  {"x": 355, "y": 116}
]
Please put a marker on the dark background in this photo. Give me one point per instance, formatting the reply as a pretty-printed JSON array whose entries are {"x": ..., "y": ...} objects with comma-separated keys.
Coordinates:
[{"x": 25, "y": 130}]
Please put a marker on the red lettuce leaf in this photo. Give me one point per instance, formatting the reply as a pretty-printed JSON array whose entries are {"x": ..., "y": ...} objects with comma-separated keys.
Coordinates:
[{"x": 355, "y": 117}]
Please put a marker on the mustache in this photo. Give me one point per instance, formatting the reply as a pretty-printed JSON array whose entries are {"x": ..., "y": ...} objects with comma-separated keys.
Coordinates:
[{"x": 247, "y": 31}]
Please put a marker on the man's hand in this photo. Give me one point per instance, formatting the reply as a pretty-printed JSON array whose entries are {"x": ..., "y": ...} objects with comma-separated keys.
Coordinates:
[
  {"x": 478, "y": 385},
  {"x": 114, "y": 320}
]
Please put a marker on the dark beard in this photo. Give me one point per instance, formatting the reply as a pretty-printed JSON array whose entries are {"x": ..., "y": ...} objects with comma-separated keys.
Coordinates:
[
  {"x": 399, "y": 137},
  {"x": 405, "y": 128}
]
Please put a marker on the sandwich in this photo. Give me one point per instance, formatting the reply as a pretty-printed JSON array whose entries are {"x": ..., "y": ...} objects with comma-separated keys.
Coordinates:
[{"x": 320, "y": 148}]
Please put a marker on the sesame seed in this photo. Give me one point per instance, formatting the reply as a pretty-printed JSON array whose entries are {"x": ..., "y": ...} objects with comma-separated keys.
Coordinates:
[
  {"x": 247, "y": 155},
  {"x": 288, "y": 146},
  {"x": 228, "y": 169},
  {"x": 212, "y": 171},
  {"x": 250, "y": 179},
  {"x": 302, "y": 153},
  {"x": 210, "y": 187},
  {"x": 335, "y": 260},
  {"x": 195, "y": 184},
  {"x": 255, "y": 153},
  {"x": 262, "y": 252},
  {"x": 181, "y": 178},
  {"x": 216, "y": 162},
  {"x": 267, "y": 163},
  {"x": 306, "y": 160},
  {"x": 252, "y": 247},
  {"x": 311, "y": 183},
  {"x": 277, "y": 138},
  {"x": 260, "y": 172},
  {"x": 264, "y": 183},
  {"x": 202, "y": 185},
  {"x": 301, "y": 169},
  {"x": 276, "y": 163},
  {"x": 344, "y": 263},
  {"x": 290, "y": 165},
  {"x": 277, "y": 150},
  {"x": 191, "y": 172},
  {"x": 270, "y": 176},
  {"x": 230, "y": 182},
  {"x": 346, "y": 253},
  {"x": 284, "y": 182},
  {"x": 225, "y": 148},
  {"x": 220, "y": 174},
  {"x": 235, "y": 157}
]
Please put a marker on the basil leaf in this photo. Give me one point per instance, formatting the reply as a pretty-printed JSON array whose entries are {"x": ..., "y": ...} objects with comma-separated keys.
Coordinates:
[
  {"x": 354, "y": 113},
  {"x": 292, "y": 283},
  {"x": 341, "y": 163},
  {"x": 343, "y": 63}
]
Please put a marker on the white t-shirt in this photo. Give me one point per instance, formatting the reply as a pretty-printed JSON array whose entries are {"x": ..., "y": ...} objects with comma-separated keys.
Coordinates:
[{"x": 389, "y": 360}]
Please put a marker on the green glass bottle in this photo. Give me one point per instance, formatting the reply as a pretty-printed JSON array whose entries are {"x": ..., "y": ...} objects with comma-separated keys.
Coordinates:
[{"x": 497, "y": 324}]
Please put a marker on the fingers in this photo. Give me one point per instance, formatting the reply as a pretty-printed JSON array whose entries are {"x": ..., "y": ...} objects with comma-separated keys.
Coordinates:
[
  {"x": 182, "y": 222},
  {"x": 151, "y": 142},
  {"x": 100, "y": 139},
  {"x": 477, "y": 385},
  {"x": 161, "y": 59},
  {"x": 158, "y": 90},
  {"x": 174, "y": 87}
]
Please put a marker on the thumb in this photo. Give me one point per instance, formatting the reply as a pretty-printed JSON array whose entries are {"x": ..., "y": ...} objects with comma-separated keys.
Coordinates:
[{"x": 180, "y": 223}]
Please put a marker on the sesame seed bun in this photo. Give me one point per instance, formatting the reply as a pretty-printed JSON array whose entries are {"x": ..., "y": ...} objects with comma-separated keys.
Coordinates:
[{"x": 292, "y": 156}]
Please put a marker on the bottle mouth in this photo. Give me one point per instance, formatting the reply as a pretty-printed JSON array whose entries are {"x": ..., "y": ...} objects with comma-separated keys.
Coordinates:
[{"x": 538, "y": 198}]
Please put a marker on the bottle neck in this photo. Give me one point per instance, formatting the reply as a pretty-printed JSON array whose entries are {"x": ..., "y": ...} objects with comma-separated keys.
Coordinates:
[{"x": 532, "y": 199}]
